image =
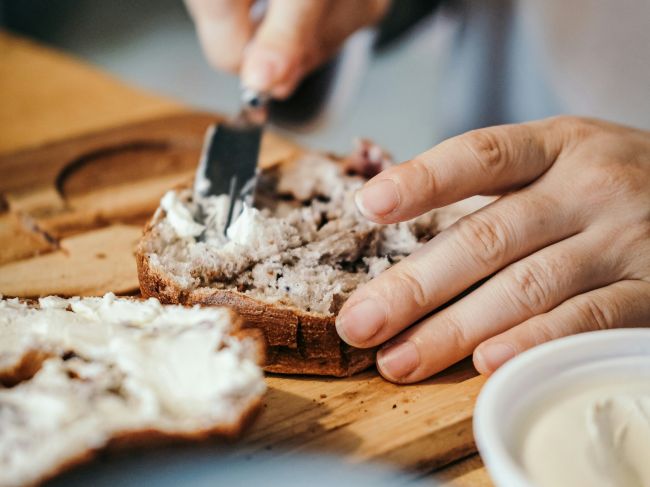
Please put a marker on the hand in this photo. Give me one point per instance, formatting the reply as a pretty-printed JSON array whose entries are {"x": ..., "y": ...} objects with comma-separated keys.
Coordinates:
[
  {"x": 293, "y": 38},
  {"x": 567, "y": 246}
]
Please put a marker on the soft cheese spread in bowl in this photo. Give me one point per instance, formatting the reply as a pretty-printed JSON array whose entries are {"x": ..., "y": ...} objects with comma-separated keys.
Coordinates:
[
  {"x": 597, "y": 435},
  {"x": 572, "y": 412}
]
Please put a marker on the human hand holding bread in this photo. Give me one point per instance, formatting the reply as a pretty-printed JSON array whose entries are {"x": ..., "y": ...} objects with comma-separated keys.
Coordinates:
[
  {"x": 292, "y": 38},
  {"x": 564, "y": 250}
]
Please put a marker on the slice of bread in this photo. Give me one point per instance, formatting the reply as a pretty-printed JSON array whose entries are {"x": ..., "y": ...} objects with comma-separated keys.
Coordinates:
[
  {"x": 81, "y": 374},
  {"x": 288, "y": 266}
]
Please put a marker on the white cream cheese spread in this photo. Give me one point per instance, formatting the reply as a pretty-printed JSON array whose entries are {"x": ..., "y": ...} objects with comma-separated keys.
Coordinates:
[
  {"x": 247, "y": 228},
  {"x": 597, "y": 436},
  {"x": 305, "y": 244},
  {"x": 180, "y": 217},
  {"x": 110, "y": 366}
]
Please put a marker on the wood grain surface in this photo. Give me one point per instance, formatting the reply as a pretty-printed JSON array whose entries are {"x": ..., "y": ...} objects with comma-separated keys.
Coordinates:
[
  {"x": 76, "y": 187},
  {"x": 47, "y": 96}
]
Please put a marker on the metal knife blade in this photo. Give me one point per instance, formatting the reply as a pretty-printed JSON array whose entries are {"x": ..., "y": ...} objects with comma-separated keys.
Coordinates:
[{"x": 228, "y": 163}]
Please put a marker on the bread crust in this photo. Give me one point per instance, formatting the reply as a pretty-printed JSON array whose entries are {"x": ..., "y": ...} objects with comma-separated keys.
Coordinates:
[
  {"x": 129, "y": 440},
  {"x": 298, "y": 342},
  {"x": 24, "y": 368}
]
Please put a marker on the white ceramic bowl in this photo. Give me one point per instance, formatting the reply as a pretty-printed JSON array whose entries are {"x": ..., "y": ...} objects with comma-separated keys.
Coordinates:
[{"x": 511, "y": 394}]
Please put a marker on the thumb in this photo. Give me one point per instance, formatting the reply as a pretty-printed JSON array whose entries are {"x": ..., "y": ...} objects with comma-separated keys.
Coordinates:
[{"x": 279, "y": 54}]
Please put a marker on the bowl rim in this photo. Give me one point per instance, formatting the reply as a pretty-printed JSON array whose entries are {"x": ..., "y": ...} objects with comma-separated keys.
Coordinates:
[{"x": 489, "y": 435}]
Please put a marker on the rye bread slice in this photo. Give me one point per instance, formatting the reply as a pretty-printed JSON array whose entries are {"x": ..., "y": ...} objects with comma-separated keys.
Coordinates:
[
  {"x": 288, "y": 267},
  {"x": 84, "y": 374}
]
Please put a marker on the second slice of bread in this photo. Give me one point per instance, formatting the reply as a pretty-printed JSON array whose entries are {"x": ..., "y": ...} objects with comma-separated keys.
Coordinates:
[{"x": 81, "y": 374}]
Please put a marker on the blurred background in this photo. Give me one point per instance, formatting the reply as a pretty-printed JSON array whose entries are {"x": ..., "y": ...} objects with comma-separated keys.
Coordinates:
[
  {"x": 437, "y": 67},
  {"x": 152, "y": 44}
]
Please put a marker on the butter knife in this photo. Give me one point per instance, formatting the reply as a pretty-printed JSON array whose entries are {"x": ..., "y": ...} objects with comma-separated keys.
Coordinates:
[{"x": 228, "y": 164}]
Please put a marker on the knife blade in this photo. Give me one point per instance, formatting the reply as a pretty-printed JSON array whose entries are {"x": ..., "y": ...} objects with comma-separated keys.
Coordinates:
[{"x": 228, "y": 164}]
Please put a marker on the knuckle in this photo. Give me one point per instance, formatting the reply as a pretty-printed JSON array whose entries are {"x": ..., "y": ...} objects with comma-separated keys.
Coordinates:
[
  {"x": 609, "y": 180},
  {"x": 408, "y": 286},
  {"x": 532, "y": 285},
  {"x": 490, "y": 151},
  {"x": 459, "y": 336},
  {"x": 425, "y": 175},
  {"x": 575, "y": 127},
  {"x": 487, "y": 240},
  {"x": 541, "y": 330},
  {"x": 596, "y": 316},
  {"x": 566, "y": 120}
]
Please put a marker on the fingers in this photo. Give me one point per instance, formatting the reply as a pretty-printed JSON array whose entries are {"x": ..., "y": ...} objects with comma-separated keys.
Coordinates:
[
  {"x": 528, "y": 287},
  {"x": 277, "y": 58},
  {"x": 623, "y": 304},
  {"x": 470, "y": 250},
  {"x": 297, "y": 36},
  {"x": 272, "y": 58},
  {"x": 293, "y": 37},
  {"x": 590, "y": 224},
  {"x": 486, "y": 161},
  {"x": 224, "y": 28}
]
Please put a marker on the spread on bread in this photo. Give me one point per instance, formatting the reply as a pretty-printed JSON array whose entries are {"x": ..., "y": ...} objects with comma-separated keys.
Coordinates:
[
  {"x": 77, "y": 374},
  {"x": 307, "y": 246}
]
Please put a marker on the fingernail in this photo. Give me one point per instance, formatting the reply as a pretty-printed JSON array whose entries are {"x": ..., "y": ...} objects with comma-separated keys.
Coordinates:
[
  {"x": 263, "y": 68},
  {"x": 491, "y": 356},
  {"x": 359, "y": 323},
  {"x": 398, "y": 361},
  {"x": 378, "y": 198}
]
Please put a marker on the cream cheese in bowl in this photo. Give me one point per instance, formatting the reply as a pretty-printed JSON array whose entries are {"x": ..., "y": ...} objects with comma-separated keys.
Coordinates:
[
  {"x": 598, "y": 435},
  {"x": 572, "y": 412}
]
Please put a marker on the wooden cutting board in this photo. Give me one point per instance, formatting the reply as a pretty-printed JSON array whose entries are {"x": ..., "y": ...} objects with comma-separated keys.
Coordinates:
[{"x": 70, "y": 215}]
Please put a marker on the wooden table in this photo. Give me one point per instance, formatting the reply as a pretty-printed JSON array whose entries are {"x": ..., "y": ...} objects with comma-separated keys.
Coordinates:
[{"x": 46, "y": 96}]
